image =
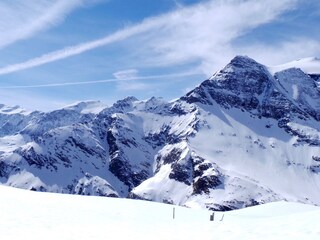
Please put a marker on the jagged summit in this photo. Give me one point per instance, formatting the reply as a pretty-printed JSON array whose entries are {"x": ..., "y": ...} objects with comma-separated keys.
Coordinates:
[
  {"x": 239, "y": 63},
  {"x": 243, "y": 75},
  {"x": 245, "y": 136},
  {"x": 125, "y": 104},
  {"x": 239, "y": 84},
  {"x": 248, "y": 85}
]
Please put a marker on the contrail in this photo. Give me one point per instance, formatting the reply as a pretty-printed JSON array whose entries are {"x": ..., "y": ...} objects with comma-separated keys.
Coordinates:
[
  {"x": 103, "y": 81},
  {"x": 61, "y": 84}
]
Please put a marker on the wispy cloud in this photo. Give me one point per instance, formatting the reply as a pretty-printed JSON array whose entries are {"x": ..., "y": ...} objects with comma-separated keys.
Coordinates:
[
  {"x": 20, "y": 19},
  {"x": 131, "y": 74},
  {"x": 126, "y": 74},
  {"x": 202, "y": 32},
  {"x": 205, "y": 33}
]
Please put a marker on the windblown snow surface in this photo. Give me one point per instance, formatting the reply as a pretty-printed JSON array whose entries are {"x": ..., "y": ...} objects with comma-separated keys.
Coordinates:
[{"x": 37, "y": 215}]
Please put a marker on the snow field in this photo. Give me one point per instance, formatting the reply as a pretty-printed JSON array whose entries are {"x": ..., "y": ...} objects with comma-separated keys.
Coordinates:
[{"x": 34, "y": 215}]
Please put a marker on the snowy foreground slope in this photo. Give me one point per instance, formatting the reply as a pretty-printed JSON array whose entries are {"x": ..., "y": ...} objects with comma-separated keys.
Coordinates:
[
  {"x": 246, "y": 136},
  {"x": 33, "y": 215}
]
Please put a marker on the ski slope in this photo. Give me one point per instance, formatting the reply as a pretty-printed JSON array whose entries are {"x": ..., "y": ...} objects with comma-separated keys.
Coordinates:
[{"x": 36, "y": 215}]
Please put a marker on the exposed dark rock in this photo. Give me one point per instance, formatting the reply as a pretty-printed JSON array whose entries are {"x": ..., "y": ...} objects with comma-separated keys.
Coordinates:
[
  {"x": 112, "y": 141},
  {"x": 172, "y": 156},
  {"x": 180, "y": 173},
  {"x": 316, "y": 77},
  {"x": 121, "y": 169},
  {"x": 205, "y": 183},
  {"x": 5, "y": 169},
  {"x": 316, "y": 158},
  {"x": 132, "y": 195},
  {"x": 199, "y": 169}
]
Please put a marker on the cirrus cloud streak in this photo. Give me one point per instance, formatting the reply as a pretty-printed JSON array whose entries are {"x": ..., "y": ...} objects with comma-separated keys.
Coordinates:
[{"x": 20, "y": 19}]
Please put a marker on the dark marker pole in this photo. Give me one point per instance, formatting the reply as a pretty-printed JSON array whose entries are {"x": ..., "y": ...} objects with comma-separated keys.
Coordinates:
[
  {"x": 173, "y": 213},
  {"x": 212, "y": 217}
]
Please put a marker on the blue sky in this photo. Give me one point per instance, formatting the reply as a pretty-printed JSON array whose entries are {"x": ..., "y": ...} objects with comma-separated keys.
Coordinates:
[{"x": 56, "y": 52}]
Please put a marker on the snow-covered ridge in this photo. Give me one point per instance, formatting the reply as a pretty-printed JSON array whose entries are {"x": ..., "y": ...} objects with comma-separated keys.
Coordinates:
[
  {"x": 310, "y": 65},
  {"x": 12, "y": 110},
  {"x": 87, "y": 107}
]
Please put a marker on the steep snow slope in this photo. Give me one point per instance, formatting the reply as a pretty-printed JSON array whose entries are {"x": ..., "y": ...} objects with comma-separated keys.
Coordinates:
[
  {"x": 31, "y": 215},
  {"x": 243, "y": 137}
]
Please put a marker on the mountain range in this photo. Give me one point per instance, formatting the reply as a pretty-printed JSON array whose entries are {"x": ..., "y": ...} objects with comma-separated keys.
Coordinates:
[{"x": 248, "y": 135}]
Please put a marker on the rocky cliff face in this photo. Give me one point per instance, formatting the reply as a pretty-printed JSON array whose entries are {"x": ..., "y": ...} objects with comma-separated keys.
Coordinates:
[{"x": 243, "y": 137}]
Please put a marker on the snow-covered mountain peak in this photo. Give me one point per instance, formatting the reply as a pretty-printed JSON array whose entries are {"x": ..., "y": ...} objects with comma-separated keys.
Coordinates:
[
  {"x": 239, "y": 84},
  {"x": 301, "y": 88},
  {"x": 242, "y": 73},
  {"x": 86, "y": 107},
  {"x": 243, "y": 61},
  {"x": 295, "y": 76},
  {"x": 129, "y": 99},
  {"x": 12, "y": 110},
  {"x": 248, "y": 85},
  {"x": 155, "y": 101},
  {"x": 125, "y": 104},
  {"x": 238, "y": 65},
  {"x": 152, "y": 104}
]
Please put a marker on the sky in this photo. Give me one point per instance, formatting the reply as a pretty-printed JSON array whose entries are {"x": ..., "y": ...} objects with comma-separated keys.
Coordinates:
[{"x": 55, "y": 52}]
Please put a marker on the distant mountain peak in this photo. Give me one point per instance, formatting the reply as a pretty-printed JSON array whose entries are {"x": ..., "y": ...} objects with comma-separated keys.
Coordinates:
[
  {"x": 12, "y": 110},
  {"x": 89, "y": 106},
  {"x": 238, "y": 63},
  {"x": 243, "y": 59}
]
